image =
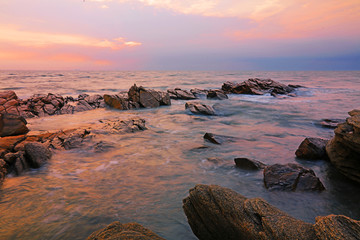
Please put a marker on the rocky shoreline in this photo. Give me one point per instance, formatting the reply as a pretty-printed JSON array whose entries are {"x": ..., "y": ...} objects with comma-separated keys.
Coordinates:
[{"x": 213, "y": 212}]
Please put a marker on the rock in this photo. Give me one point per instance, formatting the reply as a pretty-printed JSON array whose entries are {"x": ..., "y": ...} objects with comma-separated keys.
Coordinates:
[
  {"x": 11, "y": 125},
  {"x": 249, "y": 164},
  {"x": 343, "y": 149},
  {"x": 257, "y": 86},
  {"x": 9, "y": 103},
  {"x": 72, "y": 138},
  {"x": 337, "y": 227},
  {"x": 177, "y": 93},
  {"x": 354, "y": 112},
  {"x": 3, "y": 171},
  {"x": 216, "y": 213},
  {"x": 36, "y": 154},
  {"x": 216, "y": 94},
  {"x": 199, "y": 108},
  {"x": 199, "y": 93},
  {"x": 291, "y": 177},
  {"x": 116, "y": 101},
  {"x": 128, "y": 231},
  {"x": 82, "y": 106},
  {"x": 218, "y": 139},
  {"x": 148, "y": 98},
  {"x": 123, "y": 126},
  {"x": 312, "y": 148},
  {"x": 331, "y": 123}
]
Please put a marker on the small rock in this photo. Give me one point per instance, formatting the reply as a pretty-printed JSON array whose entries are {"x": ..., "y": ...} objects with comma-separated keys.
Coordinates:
[
  {"x": 291, "y": 177},
  {"x": 217, "y": 94},
  {"x": 36, "y": 154},
  {"x": 249, "y": 164},
  {"x": 177, "y": 93},
  {"x": 312, "y": 148},
  {"x": 199, "y": 108},
  {"x": 331, "y": 123},
  {"x": 218, "y": 139}
]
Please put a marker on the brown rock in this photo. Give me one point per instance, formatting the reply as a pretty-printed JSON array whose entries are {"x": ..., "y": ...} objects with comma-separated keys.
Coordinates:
[
  {"x": 217, "y": 94},
  {"x": 312, "y": 148},
  {"x": 128, "y": 231},
  {"x": 337, "y": 227},
  {"x": 11, "y": 125},
  {"x": 218, "y": 139},
  {"x": 249, "y": 164},
  {"x": 291, "y": 177},
  {"x": 36, "y": 154},
  {"x": 199, "y": 108},
  {"x": 178, "y": 93}
]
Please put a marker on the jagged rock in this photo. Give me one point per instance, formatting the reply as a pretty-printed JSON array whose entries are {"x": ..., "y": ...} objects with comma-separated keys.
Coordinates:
[
  {"x": 82, "y": 106},
  {"x": 36, "y": 154},
  {"x": 123, "y": 126},
  {"x": 199, "y": 108},
  {"x": 249, "y": 164},
  {"x": 343, "y": 150},
  {"x": 9, "y": 103},
  {"x": 331, "y": 123},
  {"x": 257, "y": 86},
  {"x": 128, "y": 231},
  {"x": 291, "y": 177},
  {"x": 178, "y": 93},
  {"x": 199, "y": 93},
  {"x": 11, "y": 125},
  {"x": 116, "y": 101},
  {"x": 72, "y": 138},
  {"x": 218, "y": 139},
  {"x": 312, "y": 148},
  {"x": 216, "y": 94},
  {"x": 216, "y": 213}
]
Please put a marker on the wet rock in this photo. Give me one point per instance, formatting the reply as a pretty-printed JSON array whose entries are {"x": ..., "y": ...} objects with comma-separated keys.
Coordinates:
[
  {"x": 117, "y": 231},
  {"x": 312, "y": 148},
  {"x": 17, "y": 162},
  {"x": 123, "y": 126},
  {"x": 354, "y": 112},
  {"x": 199, "y": 108},
  {"x": 217, "y": 94},
  {"x": 3, "y": 171},
  {"x": 9, "y": 103},
  {"x": 199, "y": 93},
  {"x": 218, "y": 139},
  {"x": 216, "y": 213},
  {"x": 337, "y": 227},
  {"x": 36, "y": 154},
  {"x": 249, "y": 164},
  {"x": 257, "y": 86},
  {"x": 291, "y": 177},
  {"x": 178, "y": 93},
  {"x": 11, "y": 125},
  {"x": 82, "y": 106},
  {"x": 116, "y": 101},
  {"x": 343, "y": 149},
  {"x": 331, "y": 123},
  {"x": 71, "y": 139}
]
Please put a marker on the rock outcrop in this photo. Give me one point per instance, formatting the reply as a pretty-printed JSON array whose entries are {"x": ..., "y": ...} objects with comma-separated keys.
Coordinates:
[
  {"x": 178, "y": 93},
  {"x": 199, "y": 108},
  {"x": 291, "y": 177},
  {"x": 257, "y": 86},
  {"x": 216, "y": 213},
  {"x": 138, "y": 97},
  {"x": 249, "y": 164},
  {"x": 312, "y": 148},
  {"x": 128, "y": 231},
  {"x": 11, "y": 125},
  {"x": 343, "y": 150}
]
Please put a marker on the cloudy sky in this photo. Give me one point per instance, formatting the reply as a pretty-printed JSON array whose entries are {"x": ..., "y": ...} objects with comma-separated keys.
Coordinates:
[{"x": 180, "y": 34}]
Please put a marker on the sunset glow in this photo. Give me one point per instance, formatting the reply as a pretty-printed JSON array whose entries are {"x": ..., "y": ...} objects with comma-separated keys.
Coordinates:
[{"x": 170, "y": 34}]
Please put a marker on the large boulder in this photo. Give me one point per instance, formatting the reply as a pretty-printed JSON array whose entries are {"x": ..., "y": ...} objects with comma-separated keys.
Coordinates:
[
  {"x": 257, "y": 86},
  {"x": 291, "y": 177},
  {"x": 37, "y": 154},
  {"x": 343, "y": 149},
  {"x": 216, "y": 213},
  {"x": 199, "y": 108},
  {"x": 128, "y": 231},
  {"x": 312, "y": 148},
  {"x": 11, "y": 125}
]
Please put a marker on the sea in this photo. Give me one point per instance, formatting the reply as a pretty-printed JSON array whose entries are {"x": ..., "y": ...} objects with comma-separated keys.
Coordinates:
[{"x": 145, "y": 175}]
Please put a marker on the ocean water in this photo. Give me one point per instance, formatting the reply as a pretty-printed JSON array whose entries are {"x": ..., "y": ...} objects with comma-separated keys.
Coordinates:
[{"x": 145, "y": 176}]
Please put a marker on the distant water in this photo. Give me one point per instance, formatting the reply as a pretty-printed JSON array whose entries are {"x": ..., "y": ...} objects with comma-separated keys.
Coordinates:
[{"x": 146, "y": 175}]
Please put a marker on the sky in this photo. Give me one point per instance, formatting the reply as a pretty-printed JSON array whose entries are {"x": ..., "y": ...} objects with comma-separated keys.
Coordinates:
[{"x": 180, "y": 35}]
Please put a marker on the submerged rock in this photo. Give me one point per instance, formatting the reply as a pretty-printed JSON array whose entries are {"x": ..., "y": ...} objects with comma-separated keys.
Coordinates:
[
  {"x": 11, "y": 125},
  {"x": 178, "y": 93},
  {"x": 249, "y": 164},
  {"x": 257, "y": 86},
  {"x": 344, "y": 149},
  {"x": 331, "y": 123},
  {"x": 291, "y": 177},
  {"x": 218, "y": 139},
  {"x": 128, "y": 231},
  {"x": 216, "y": 213},
  {"x": 312, "y": 148},
  {"x": 199, "y": 108}
]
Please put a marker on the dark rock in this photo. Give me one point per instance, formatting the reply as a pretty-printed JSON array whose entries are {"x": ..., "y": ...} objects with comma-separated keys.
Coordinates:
[
  {"x": 8, "y": 95},
  {"x": 354, "y": 112},
  {"x": 343, "y": 150},
  {"x": 218, "y": 139},
  {"x": 291, "y": 177},
  {"x": 116, "y": 101},
  {"x": 199, "y": 108},
  {"x": 36, "y": 154},
  {"x": 128, "y": 231},
  {"x": 337, "y": 227},
  {"x": 94, "y": 99},
  {"x": 331, "y": 123},
  {"x": 3, "y": 171},
  {"x": 216, "y": 213},
  {"x": 257, "y": 86},
  {"x": 82, "y": 106},
  {"x": 249, "y": 164},
  {"x": 199, "y": 93},
  {"x": 312, "y": 148},
  {"x": 72, "y": 138},
  {"x": 177, "y": 93},
  {"x": 11, "y": 125},
  {"x": 67, "y": 109},
  {"x": 216, "y": 94}
]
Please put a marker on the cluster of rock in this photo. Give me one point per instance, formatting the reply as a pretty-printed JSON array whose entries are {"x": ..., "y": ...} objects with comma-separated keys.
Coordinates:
[
  {"x": 258, "y": 86},
  {"x": 138, "y": 97},
  {"x": 343, "y": 149},
  {"x": 215, "y": 213}
]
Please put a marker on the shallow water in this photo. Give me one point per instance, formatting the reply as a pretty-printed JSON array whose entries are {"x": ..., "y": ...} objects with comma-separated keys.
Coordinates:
[{"x": 145, "y": 176}]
